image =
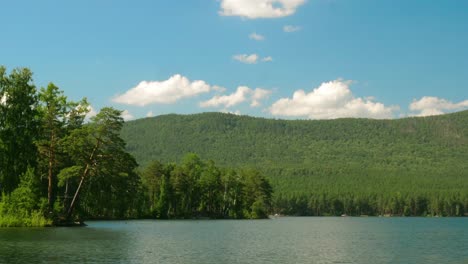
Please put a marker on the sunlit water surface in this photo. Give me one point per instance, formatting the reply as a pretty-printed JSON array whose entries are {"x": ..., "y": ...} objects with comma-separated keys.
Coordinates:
[{"x": 280, "y": 240}]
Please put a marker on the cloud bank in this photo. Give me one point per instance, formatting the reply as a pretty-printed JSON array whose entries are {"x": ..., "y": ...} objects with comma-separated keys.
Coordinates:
[
  {"x": 253, "y": 9},
  {"x": 330, "y": 100},
  {"x": 333, "y": 99}
]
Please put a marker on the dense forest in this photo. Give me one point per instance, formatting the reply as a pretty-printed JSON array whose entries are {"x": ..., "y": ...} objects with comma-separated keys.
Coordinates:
[
  {"x": 58, "y": 167},
  {"x": 411, "y": 166},
  {"x": 200, "y": 189}
]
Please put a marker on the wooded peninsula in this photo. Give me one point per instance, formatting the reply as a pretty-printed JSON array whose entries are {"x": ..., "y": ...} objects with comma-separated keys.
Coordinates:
[{"x": 58, "y": 166}]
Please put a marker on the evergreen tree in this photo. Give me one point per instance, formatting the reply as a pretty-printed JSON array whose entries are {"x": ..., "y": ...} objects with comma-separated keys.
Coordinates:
[{"x": 18, "y": 126}]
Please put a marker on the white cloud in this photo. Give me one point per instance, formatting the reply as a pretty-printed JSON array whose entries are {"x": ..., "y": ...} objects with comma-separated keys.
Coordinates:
[
  {"x": 251, "y": 59},
  {"x": 259, "y": 94},
  {"x": 239, "y": 96},
  {"x": 330, "y": 100},
  {"x": 149, "y": 114},
  {"x": 256, "y": 36},
  {"x": 247, "y": 59},
  {"x": 242, "y": 94},
  {"x": 163, "y": 92},
  {"x": 429, "y": 105},
  {"x": 289, "y": 28},
  {"x": 267, "y": 59},
  {"x": 126, "y": 115},
  {"x": 253, "y": 9}
]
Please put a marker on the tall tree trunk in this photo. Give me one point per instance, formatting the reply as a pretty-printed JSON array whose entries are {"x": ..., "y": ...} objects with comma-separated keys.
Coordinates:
[
  {"x": 50, "y": 172},
  {"x": 75, "y": 197},
  {"x": 65, "y": 196},
  {"x": 83, "y": 176}
]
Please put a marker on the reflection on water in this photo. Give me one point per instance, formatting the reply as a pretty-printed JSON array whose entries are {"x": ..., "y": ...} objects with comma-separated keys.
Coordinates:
[{"x": 281, "y": 240}]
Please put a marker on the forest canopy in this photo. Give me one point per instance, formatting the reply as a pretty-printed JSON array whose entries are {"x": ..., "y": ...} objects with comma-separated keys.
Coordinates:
[{"x": 409, "y": 166}]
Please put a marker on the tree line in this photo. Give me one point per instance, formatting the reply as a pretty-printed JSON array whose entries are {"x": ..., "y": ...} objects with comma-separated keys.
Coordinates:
[{"x": 201, "y": 189}]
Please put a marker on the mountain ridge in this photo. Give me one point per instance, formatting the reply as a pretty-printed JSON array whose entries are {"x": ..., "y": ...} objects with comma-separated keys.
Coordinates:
[{"x": 444, "y": 126}]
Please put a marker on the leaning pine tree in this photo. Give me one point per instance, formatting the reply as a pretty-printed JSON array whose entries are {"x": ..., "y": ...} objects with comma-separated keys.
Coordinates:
[{"x": 96, "y": 150}]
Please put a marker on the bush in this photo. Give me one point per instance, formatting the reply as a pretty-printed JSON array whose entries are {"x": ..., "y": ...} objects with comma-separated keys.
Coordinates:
[{"x": 20, "y": 208}]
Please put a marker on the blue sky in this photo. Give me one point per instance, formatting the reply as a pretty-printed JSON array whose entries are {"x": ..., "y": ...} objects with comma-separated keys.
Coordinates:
[{"x": 343, "y": 58}]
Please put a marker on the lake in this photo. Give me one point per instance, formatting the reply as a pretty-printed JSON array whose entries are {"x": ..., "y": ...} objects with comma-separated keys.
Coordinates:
[{"x": 279, "y": 240}]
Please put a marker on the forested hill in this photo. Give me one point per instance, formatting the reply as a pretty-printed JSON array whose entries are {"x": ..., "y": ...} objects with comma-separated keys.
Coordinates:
[
  {"x": 426, "y": 154},
  {"x": 242, "y": 140}
]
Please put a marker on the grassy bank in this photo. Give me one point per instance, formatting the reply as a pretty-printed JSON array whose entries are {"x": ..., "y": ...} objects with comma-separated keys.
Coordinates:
[{"x": 35, "y": 219}]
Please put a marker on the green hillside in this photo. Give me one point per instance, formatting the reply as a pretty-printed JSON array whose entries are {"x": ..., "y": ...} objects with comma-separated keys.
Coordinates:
[{"x": 410, "y": 166}]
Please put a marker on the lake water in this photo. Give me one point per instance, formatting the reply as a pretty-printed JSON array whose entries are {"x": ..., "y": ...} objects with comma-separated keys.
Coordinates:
[{"x": 280, "y": 240}]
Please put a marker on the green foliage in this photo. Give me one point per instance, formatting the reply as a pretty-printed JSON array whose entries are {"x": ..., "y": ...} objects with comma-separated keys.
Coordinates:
[
  {"x": 107, "y": 185},
  {"x": 64, "y": 163},
  {"x": 414, "y": 166},
  {"x": 163, "y": 204},
  {"x": 22, "y": 207},
  {"x": 55, "y": 112},
  {"x": 18, "y": 126},
  {"x": 68, "y": 173},
  {"x": 200, "y": 189}
]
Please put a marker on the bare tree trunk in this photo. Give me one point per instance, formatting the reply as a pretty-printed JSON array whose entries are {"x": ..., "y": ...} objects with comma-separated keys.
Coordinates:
[
  {"x": 72, "y": 205},
  {"x": 83, "y": 176}
]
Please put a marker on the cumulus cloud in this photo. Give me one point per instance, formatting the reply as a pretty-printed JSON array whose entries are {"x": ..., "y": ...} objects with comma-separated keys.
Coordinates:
[
  {"x": 239, "y": 96},
  {"x": 163, "y": 92},
  {"x": 429, "y": 105},
  {"x": 330, "y": 100},
  {"x": 247, "y": 59},
  {"x": 126, "y": 115},
  {"x": 256, "y": 36},
  {"x": 259, "y": 94},
  {"x": 149, "y": 114},
  {"x": 289, "y": 28},
  {"x": 253, "y": 9},
  {"x": 242, "y": 94}
]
